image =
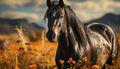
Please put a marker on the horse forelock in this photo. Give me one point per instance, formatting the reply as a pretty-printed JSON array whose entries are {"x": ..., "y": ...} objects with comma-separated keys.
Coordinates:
[{"x": 54, "y": 8}]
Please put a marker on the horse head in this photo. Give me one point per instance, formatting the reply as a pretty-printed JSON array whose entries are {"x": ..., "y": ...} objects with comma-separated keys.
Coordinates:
[{"x": 55, "y": 15}]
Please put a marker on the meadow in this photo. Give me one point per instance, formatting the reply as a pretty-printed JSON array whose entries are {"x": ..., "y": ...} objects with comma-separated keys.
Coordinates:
[{"x": 21, "y": 53}]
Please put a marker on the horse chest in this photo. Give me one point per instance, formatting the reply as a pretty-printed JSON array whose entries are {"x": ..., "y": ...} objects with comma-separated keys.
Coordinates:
[{"x": 68, "y": 49}]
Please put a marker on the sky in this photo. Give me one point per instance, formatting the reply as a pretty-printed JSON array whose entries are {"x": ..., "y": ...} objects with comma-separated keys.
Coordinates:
[{"x": 34, "y": 10}]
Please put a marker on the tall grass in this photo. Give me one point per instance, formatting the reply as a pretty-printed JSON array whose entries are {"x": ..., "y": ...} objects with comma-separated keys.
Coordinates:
[{"x": 23, "y": 55}]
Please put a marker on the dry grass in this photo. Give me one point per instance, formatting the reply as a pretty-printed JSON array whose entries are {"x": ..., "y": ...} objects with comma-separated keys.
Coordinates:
[
  {"x": 18, "y": 58},
  {"x": 23, "y": 54},
  {"x": 33, "y": 55}
]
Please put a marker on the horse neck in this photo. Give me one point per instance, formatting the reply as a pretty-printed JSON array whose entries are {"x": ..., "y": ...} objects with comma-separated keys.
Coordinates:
[
  {"x": 71, "y": 26},
  {"x": 73, "y": 41}
]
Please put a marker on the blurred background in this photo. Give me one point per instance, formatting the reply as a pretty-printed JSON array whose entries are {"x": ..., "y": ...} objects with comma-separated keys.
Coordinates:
[{"x": 32, "y": 11}]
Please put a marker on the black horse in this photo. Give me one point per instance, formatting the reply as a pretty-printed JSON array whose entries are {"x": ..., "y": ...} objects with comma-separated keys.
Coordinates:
[{"x": 95, "y": 41}]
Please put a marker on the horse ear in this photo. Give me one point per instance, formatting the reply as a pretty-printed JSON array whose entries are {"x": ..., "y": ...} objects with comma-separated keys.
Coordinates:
[
  {"x": 61, "y": 3},
  {"x": 49, "y": 3}
]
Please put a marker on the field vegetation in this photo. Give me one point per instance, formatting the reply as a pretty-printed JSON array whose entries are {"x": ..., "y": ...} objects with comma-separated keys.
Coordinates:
[{"x": 18, "y": 51}]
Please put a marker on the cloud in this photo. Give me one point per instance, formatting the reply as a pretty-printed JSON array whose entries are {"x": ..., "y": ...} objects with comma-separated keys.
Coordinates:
[
  {"x": 102, "y": 5},
  {"x": 31, "y": 17},
  {"x": 14, "y": 3},
  {"x": 92, "y": 9},
  {"x": 85, "y": 9}
]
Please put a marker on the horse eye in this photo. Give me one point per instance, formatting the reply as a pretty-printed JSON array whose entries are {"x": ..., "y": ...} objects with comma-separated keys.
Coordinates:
[{"x": 61, "y": 16}]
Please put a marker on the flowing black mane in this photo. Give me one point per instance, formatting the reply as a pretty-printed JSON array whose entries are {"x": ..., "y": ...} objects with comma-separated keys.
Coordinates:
[{"x": 77, "y": 27}]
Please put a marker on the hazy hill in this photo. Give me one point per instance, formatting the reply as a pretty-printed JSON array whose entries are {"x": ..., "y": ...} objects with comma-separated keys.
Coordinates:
[
  {"x": 37, "y": 26},
  {"x": 109, "y": 19},
  {"x": 7, "y": 25}
]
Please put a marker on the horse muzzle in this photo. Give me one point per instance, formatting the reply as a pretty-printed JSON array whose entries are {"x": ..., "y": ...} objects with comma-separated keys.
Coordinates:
[{"x": 51, "y": 36}]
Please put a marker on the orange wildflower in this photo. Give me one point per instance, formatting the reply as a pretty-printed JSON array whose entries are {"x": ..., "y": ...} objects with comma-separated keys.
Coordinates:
[
  {"x": 27, "y": 43},
  {"x": 95, "y": 67},
  {"x": 61, "y": 61},
  {"x": 7, "y": 63},
  {"x": 84, "y": 59},
  {"x": 47, "y": 61},
  {"x": 32, "y": 66},
  {"x": 18, "y": 41},
  {"x": 73, "y": 62},
  {"x": 70, "y": 59},
  {"x": 21, "y": 48}
]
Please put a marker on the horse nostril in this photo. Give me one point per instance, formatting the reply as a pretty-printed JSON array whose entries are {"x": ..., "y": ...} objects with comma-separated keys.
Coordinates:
[{"x": 50, "y": 35}]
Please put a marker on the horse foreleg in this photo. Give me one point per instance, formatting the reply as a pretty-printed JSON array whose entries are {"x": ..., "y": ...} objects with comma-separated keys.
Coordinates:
[{"x": 58, "y": 58}]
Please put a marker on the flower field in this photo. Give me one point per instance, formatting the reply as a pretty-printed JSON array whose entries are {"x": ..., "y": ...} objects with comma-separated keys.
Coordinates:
[{"x": 20, "y": 53}]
